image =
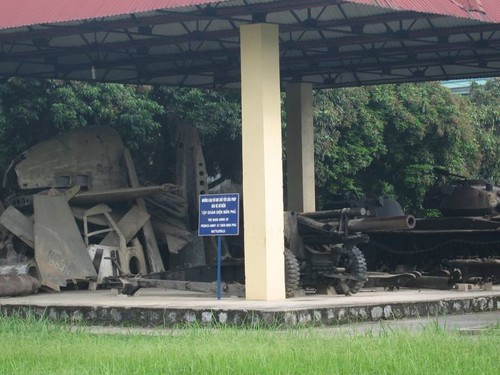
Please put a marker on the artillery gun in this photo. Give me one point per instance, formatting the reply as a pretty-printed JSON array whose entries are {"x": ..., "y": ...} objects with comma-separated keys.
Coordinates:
[{"x": 321, "y": 248}]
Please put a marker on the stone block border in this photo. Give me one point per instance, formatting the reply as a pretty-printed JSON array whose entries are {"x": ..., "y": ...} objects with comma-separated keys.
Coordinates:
[{"x": 325, "y": 316}]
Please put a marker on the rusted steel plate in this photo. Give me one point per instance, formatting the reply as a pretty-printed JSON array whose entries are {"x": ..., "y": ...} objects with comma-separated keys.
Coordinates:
[
  {"x": 90, "y": 157},
  {"x": 129, "y": 225},
  {"x": 115, "y": 195},
  {"x": 60, "y": 252},
  {"x": 151, "y": 246},
  {"x": 18, "y": 224}
]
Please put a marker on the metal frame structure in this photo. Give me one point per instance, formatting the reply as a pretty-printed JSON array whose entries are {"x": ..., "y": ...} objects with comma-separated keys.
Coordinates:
[{"x": 196, "y": 43}]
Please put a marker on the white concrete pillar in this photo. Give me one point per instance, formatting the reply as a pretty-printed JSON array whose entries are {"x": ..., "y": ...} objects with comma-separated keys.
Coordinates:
[
  {"x": 301, "y": 196},
  {"x": 262, "y": 162}
]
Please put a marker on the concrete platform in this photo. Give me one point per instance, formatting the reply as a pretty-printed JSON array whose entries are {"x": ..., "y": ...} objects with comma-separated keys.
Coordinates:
[{"x": 156, "y": 307}]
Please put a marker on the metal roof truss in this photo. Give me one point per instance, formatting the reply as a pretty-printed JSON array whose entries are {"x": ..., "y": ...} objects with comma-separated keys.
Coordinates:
[{"x": 328, "y": 43}]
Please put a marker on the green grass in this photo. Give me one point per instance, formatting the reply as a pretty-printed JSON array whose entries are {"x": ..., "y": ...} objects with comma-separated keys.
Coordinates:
[{"x": 30, "y": 346}]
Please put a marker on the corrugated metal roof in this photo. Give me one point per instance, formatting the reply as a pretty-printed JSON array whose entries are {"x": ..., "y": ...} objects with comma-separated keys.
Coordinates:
[
  {"x": 196, "y": 42},
  {"x": 481, "y": 10},
  {"x": 19, "y": 13}
]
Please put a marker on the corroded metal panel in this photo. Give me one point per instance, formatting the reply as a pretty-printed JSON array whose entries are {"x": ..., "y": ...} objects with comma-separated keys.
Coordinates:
[
  {"x": 115, "y": 195},
  {"x": 60, "y": 252},
  {"x": 129, "y": 225},
  {"x": 151, "y": 246},
  {"x": 18, "y": 224},
  {"x": 91, "y": 157}
]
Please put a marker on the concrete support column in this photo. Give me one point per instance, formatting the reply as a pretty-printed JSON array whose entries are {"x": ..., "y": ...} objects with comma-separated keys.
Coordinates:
[
  {"x": 301, "y": 195},
  {"x": 262, "y": 162}
]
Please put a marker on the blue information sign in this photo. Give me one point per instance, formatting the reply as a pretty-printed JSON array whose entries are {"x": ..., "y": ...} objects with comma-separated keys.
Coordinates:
[{"x": 219, "y": 215}]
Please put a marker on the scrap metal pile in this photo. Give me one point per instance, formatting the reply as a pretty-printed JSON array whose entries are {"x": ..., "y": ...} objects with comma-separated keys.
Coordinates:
[{"x": 79, "y": 215}]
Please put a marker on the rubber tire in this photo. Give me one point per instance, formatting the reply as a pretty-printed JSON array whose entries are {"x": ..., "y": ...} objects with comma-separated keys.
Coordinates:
[
  {"x": 292, "y": 273},
  {"x": 358, "y": 268}
]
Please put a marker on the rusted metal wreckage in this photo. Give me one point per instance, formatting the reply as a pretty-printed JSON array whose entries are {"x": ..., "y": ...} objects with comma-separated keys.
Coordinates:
[
  {"x": 79, "y": 214},
  {"x": 79, "y": 217}
]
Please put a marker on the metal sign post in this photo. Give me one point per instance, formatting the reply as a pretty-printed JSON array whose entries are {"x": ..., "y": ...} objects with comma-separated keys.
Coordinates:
[{"x": 219, "y": 216}]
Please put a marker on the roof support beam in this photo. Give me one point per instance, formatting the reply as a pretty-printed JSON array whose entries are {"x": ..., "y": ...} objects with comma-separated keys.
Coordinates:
[
  {"x": 227, "y": 35},
  {"x": 218, "y": 56}
]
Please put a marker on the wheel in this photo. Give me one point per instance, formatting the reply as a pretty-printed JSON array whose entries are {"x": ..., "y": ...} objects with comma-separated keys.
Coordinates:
[
  {"x": 353, "y": 260},
  {"x": 292, "y": 273}
]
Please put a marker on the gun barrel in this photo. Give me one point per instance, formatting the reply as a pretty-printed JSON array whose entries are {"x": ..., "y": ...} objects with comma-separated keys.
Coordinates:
[
  {"x": 335, "y": 214},
  {"x": 381, "y": 224}
]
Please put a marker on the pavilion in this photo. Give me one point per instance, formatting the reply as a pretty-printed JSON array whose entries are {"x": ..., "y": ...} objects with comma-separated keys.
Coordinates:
[{"x": 261, "y": 47}]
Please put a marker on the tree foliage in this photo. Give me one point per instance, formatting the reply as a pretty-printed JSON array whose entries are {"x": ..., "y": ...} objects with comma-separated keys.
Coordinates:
[
  {"x": 388, "y": 139},
  {"x": 380, "y": 140},
  {"x": 485, "y": 112},
  {"x": 34, "y": 110}
]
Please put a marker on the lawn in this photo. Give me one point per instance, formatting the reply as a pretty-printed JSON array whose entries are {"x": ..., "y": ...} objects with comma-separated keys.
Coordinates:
[{"x": 30, "y": 346}]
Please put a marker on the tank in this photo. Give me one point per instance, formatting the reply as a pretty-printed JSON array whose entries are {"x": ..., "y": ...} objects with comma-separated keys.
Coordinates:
[
  {"x": 466, "y": 232},
  {"x": 467, "y": 198}
]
